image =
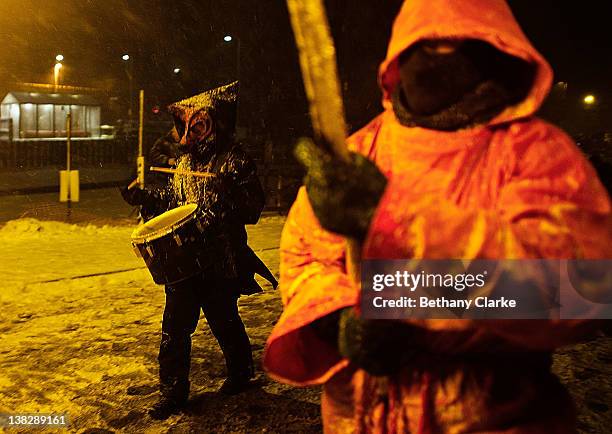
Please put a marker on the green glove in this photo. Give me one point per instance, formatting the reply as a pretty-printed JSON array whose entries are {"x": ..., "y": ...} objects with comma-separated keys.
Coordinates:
[
  {"x": 380, "y": 347},
  {"x": 343, "y": 195}
]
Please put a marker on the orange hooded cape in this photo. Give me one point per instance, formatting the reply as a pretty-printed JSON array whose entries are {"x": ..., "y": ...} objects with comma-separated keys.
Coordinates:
[{"x": 516, "y": 187}]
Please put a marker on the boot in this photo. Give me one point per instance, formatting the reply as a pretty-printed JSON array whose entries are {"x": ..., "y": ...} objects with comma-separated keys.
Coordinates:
[
  {"x": 234, "y": 385},
  {"x": 238, "y": 381},
  {"x": 173, "y": 399}
]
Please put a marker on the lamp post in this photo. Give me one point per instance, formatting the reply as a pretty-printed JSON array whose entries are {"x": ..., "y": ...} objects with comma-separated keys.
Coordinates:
[
  {"x": 56, "y": 70},
  {"x": 228, "y": 39},
  {"x": 56, "y": 74},
  {"x": 129, "y": 70},
  {"x": 178, "y": 84}
]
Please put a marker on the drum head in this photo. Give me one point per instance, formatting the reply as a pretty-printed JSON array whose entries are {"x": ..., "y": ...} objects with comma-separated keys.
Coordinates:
[{"x": 163, "y": 224}]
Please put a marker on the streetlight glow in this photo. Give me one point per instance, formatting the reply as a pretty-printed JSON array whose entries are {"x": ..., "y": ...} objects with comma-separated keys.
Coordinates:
[
  {"x": 177, "y": 70},
  {"x": 227, "y": 38},
  {"x": 59, "y": 57},
  {"x": 589, "y": 99},
  {"x": 56, "y": 73},
  {"x": 126, "y": 57}
]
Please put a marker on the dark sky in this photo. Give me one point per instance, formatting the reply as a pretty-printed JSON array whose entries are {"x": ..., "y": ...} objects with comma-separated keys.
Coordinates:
[
  {"x": 574, "y": 36},
  {"x": 162, "y": 34}
]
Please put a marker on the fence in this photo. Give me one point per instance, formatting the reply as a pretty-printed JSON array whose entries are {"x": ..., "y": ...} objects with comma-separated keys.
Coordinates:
[
  {"x": 17, "y": 154},
  {"x": 279, "y": 174}
]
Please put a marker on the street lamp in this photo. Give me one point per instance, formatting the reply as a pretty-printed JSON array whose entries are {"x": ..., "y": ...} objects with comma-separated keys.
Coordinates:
[
  {"x": 176, "y": 70},
  {"x": 129, "y": 73},
  {"x": 56, "y": 74},
  {"x": 229, "y": 38},
  {"x": 589, "y": 99},
  {"x": 59, "y": 57}
]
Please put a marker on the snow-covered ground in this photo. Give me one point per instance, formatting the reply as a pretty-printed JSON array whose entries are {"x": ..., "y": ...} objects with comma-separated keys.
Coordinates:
[{"x": 80, "y": 323}]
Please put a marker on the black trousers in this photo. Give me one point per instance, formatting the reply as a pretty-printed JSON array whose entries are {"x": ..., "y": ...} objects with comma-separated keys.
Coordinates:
[{"x": 218, "y": 300}]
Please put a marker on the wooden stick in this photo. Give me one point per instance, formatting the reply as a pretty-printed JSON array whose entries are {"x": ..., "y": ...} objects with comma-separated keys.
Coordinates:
[
  {"x": 317, "y": 56},
  {"x": 133, "y": 184},
  {"x": 182, "y": 172}
]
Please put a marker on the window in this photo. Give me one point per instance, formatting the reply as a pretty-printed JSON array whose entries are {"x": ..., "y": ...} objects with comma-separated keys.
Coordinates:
[
  {"x": 93, "y": 121},
  {"x": 45, "y": 120},
  {"x": 78, "y": 120},
  {"x": 28, "y": 120},
  {"x": 60, "y": 120}
]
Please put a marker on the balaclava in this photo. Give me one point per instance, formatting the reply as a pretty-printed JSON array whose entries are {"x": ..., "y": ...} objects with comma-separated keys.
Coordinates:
[{"x": 466, "y": 84}]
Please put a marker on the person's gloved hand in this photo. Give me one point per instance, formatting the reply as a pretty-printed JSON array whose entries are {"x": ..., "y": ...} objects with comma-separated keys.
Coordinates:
[
  {"x": 343, "y": 195},
  {"x": 380, "y": 347},
  {"x": 133, "y": 196}
]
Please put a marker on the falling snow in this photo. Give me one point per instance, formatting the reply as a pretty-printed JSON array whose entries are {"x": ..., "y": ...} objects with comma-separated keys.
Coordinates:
[
  {"x": 80, "y": 320},
  {"x": 80, "y": 323}
]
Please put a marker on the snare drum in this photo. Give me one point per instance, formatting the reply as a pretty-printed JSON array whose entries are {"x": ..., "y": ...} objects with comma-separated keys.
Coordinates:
[{"x": 172, "y": 245}]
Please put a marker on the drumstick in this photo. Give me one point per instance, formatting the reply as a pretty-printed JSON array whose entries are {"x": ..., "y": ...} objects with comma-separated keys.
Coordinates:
[
  {"x": 182, "y": 172},
  {"x": 133, "y": 184}
]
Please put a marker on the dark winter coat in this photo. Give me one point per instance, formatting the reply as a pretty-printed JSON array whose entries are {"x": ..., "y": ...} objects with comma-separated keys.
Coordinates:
[{"x": 226, "y": 203}]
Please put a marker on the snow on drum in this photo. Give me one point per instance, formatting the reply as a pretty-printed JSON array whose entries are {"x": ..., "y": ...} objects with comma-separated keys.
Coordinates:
[{"x": 172, "y": 245}]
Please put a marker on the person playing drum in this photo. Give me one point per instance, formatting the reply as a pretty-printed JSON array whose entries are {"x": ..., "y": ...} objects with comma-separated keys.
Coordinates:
[{"x": 226, "y": 201}]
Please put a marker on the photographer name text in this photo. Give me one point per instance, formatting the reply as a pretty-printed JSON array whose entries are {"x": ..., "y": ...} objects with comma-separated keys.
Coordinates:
[{"x": 443, "y": 302}]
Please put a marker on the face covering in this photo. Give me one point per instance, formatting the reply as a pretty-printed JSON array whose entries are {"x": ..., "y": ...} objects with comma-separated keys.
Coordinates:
[
  {"x": 193, "y": 128},
  {"x": 206, "y": 122},
  {"x": 431, "y": 81},
  {"x": 457, "y": 88}
]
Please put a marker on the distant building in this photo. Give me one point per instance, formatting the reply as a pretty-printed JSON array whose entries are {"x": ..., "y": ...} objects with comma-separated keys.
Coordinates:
[{"x": 43, "y": 115}]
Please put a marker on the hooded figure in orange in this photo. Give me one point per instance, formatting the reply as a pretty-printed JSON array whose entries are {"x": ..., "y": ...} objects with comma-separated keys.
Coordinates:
[{"x": 457, "y": 166}]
